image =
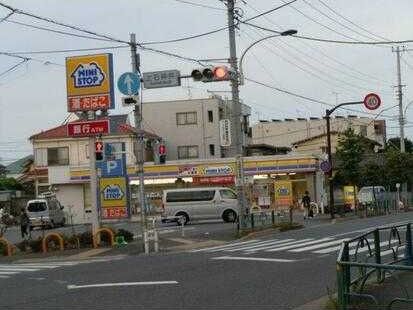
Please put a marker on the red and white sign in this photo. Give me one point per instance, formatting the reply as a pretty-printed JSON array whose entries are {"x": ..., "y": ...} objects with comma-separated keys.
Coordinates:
[
  {"x": 88, "y": 103},
  {"x": 372, "y": 101},
  {"x": 109, "y": 213},
  {"x": 88, "y": 128},
  {"x": 224, "y": 180}
]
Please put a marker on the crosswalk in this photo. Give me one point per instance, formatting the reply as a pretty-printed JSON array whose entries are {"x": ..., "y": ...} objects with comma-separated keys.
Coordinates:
[
  {"x": 12, "y": 269},
  {"x": 321, "y": 246}
]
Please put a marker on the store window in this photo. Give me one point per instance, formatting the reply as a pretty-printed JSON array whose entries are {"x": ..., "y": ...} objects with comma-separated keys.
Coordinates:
[
  {"x": 186, "y": 118},
  {"x": 58, "y": 156},
  {"x": 187, "y": 151}
]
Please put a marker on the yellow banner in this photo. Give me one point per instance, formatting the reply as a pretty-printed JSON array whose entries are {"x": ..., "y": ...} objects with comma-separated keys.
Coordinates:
[
  {"x": 283, "y": 193},
  {"x": 113, "y": 192}
]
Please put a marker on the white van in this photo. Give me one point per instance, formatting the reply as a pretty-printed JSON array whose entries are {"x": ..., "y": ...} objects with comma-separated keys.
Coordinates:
[
  {"x": 184, "y": 205},
  {"x": 46, "y": 211},
  {"x": 366, "y": 195}
]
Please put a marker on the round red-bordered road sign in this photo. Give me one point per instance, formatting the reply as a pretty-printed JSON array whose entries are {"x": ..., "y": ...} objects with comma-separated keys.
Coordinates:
[{"x": 372, "y": 101}]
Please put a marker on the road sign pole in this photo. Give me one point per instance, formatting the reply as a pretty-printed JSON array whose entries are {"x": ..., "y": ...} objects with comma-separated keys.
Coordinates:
[
  {"x": 93, "y": 186},
  {"x": 140, "y": 152}
]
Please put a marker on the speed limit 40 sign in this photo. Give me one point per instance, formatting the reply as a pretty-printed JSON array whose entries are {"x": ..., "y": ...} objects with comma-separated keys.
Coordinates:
[{"x": 372, "y": 101}]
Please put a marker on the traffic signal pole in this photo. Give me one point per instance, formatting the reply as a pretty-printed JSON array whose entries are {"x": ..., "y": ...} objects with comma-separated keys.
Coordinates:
[
  {"x": 236, "y": 114},
  {"x": 137, "y": 112}
]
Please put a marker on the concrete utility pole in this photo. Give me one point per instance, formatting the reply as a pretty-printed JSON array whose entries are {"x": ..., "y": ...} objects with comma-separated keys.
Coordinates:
[
  {"x": 236, "y": 113},
  {"x": 401, "y": 116},
  {"x": 140, "y": 149},
  {"x": 93, "y": 184}
]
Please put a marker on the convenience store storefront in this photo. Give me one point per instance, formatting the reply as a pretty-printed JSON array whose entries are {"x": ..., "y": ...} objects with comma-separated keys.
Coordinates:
[{"x": 263, "y": 177}]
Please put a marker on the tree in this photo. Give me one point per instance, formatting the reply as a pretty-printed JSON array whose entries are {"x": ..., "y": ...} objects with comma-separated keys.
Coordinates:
[
  {"x": 372, "y": 174},
  {"x": 10, "y": 184},
  {"x": 398, "y": 168},
  {"x": 394, "y": 143}
]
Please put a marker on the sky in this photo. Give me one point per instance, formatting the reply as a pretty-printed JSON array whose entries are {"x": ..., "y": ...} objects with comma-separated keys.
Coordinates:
[{"x": 33, "y": 95}]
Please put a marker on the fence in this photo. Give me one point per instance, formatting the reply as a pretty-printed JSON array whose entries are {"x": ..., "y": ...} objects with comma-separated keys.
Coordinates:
[
  {"x": 377, "y": 252},
  {"x": 386, "y": 203},
  {"x": 264, "y": 219}
]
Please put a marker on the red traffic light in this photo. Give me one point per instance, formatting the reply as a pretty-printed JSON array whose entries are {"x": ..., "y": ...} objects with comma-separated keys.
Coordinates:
[
  {"x": 162, "y": 149},
  {"x": 221, "y": 73}
]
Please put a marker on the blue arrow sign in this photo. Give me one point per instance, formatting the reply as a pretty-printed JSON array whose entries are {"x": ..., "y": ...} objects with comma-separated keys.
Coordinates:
[{"x": 129, "y": 83}]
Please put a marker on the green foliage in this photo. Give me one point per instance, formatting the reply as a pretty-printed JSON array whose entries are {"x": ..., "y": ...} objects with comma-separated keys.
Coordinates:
[
  {"x": 126, "y": 234},
  {"x": 394, "y": 143},
  {"x": 372, "y": 174},
  {"x": 350, "y": 150},
  {"x": 85, "y": 239},
  {"x": 398, "y": 168},
  {"x": 9, "y": 184}
]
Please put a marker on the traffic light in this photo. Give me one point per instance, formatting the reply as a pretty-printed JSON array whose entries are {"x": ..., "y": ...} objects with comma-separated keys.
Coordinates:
[
  {"x": 215, "y": 74},
  {"x": 99, "y": 151},
  {"x": 162, "y": 153}
]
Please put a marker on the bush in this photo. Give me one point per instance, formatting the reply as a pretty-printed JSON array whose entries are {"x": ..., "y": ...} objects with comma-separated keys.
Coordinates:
[
  {"x": 71, "y": 242},
  {"x": 35, "y": 245},
  {"x": 126, "y": 234},
  {"x": 289, "y": 226},
  {"x": 85, "y": 239}
]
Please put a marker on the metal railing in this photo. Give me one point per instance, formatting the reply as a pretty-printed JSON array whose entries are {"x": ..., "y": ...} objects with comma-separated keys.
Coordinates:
[
  {"x": 383, "y": 250},
  {"x": 262, "y": 219},
  {"x": 385, "y": 204}
]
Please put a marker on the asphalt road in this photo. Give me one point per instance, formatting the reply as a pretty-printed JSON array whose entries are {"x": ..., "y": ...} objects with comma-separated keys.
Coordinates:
[{"x": 281, "y": 271}]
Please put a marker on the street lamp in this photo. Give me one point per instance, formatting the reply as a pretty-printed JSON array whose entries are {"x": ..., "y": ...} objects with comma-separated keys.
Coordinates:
[{"x": 281, "y": 34}]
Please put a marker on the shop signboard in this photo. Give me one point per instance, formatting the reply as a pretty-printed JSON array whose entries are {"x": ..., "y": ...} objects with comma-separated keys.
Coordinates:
[
  {"x": 113, "y": 198},
  {"x": 283, "y": 193},
  {"x": 220, "y": 180}
]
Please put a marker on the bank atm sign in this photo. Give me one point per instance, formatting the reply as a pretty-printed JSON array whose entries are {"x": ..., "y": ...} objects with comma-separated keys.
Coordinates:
[{"x": 89, "y": 83}]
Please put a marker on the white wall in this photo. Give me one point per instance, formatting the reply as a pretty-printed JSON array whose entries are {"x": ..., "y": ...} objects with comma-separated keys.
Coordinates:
[{"x": 71, "y": 196}]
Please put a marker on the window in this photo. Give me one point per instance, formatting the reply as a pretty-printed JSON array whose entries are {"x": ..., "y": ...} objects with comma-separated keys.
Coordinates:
[
  {"x": 190, "y": 196},
  {"x": 187, "y": 151},
  {"x": 58, "y": 156},
  {"x": 210, "y": 116},
  {"x": 227, "y": 194},
  {"x": 37, "y": 207},
  {"x": 186, "y": 118},
  {"x": 363, "y": 131},
  {"x": 324, "y": 149},
  {"x": 212, "y": 149},
  {"x": 40, "y": 157}
]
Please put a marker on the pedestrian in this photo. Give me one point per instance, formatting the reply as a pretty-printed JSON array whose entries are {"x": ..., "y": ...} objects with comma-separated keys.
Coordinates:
[
  {"x": 24, "y": 223},
  {"x": 306, "y": 201}
]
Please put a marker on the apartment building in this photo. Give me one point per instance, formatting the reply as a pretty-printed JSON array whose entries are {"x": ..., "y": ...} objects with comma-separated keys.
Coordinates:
[
  {"x": 285, "y": 133},
  {"x": 191, "y": 128}
]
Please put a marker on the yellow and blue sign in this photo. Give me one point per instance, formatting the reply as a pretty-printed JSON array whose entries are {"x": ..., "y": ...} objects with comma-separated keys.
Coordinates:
[
  {"x": 89, "y": 82},
  {"x": 113, "y": 198},
  {"x": 283, "y": 193}
]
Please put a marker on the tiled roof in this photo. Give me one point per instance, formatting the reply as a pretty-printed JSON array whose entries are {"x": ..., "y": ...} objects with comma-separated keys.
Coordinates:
[
  {"x": 118, "y": 125},
  {"x": 19, "y": 165}
]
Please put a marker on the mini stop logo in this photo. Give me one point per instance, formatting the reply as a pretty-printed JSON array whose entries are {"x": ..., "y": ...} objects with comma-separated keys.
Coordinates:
[{"x": 88, "y": 75}]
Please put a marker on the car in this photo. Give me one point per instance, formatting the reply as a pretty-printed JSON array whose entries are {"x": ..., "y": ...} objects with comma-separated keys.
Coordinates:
[
  {"x": 45, "y": 211},
  {"x": 185, "y": 205},
  {"x": 369, "y": 195}
]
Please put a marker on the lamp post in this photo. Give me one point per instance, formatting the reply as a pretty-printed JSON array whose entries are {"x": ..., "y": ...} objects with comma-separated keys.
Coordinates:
[{"x": 281, "y": 34}]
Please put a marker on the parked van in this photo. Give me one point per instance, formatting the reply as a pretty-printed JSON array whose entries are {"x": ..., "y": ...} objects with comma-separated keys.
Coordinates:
[
  {"x": 184, "y": 205},
  {"x": 46, "y": 211}
]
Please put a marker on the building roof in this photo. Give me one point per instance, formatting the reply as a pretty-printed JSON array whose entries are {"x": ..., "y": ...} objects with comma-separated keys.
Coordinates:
[
  {"x": 20, "y": 165},
  {"x": 119, "y": 125},
  {"x": 332, "y": 133}
]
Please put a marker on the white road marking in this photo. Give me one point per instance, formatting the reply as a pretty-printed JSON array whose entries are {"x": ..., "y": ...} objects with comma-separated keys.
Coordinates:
[
  {"x": 260, "y": 245},
  {"x": 73, "y": 287},
  {"x": 277, "y": 246},
  {"x": 260, "y": 259},
  {"x": 223, "y": 246},
  {"x": 17, "y": 269},
  {"x": 7, "y": 272},
  {"x": 317, "y": 246},
  {"x": 4, "y": 277},
  {"x": 298, "y": 244}
]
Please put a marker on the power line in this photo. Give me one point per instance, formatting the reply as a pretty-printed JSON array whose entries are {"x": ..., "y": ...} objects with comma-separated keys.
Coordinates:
[
  {"x": 320, "y": 51},
  {"x": 58, "y": 31},
  {"x": 269, "y": 11},
  {"x": 6, "y": 17},
  {"x": 351, "y": 22},
  {"x": 70, "y": 50},
  {"x": 14, "y": 67},
  {"x": 200, "y": 5},
  {"x": 330, "y": 40}
]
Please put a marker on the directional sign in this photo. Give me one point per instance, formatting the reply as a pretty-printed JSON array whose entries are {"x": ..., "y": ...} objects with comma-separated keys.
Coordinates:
[
  {"x": 159, "y": 79},
  {"x": 372, "y": 101},
  {"x": 325, "y": 166},
  {"x": 89, "y": 83},
  {"x": 129, "y": 83},
  {"x": 88, "y": 128}
]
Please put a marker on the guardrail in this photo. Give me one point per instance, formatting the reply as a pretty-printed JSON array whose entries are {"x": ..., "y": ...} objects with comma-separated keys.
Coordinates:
[
  {"x": 266, "y": 218},
  {"x": 377, "y": 252}
]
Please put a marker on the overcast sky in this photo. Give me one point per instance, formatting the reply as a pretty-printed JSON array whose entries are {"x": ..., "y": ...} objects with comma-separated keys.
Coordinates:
[{"x": 33, "y": 96}]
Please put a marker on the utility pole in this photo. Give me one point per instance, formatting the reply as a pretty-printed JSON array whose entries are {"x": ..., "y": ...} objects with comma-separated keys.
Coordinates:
[
  {"x": 93, "y": 184},
  {"x": 137, "y": 112},
  {"x": 330, "y": 172},
  {"x": 401, "y": 116},
  {"x": 236, "y": 113}
]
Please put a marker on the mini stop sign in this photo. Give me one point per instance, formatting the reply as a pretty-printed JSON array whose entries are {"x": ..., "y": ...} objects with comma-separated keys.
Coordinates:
[{"x": 372, "y": 101}]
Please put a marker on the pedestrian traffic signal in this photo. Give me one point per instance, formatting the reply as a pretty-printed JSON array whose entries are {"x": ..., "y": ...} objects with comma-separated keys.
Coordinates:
[
  {"x": 99, "y": 151},
  {"x": 215, "y": 74},
  {"x": 162, "y": 153}
]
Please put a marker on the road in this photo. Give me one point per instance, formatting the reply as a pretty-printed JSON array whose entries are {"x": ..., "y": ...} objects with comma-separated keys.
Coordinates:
[{"x": 281, "y": 271}]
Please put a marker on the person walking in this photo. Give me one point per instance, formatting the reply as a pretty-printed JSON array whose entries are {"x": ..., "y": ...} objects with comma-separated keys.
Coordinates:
[
  {"x": 306, "y": 201},
  {"x": 24, "y": 223}
]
